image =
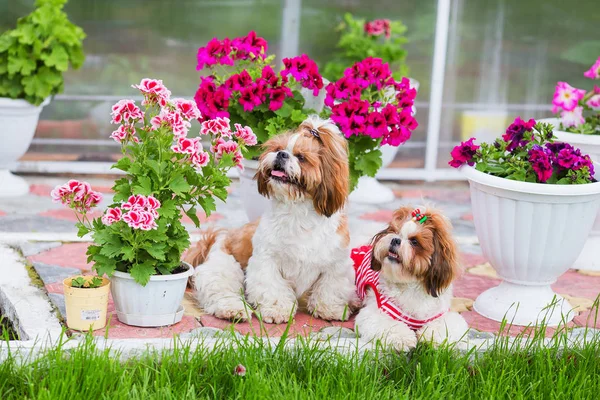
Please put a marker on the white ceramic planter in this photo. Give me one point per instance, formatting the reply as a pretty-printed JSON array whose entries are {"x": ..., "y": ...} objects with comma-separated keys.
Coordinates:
[
  {"x": 369, "y": 190},
  {"x": 18, "y": 121},
  {"x": 589, "y": 259},
  {"x": 254, "y": 203},
  {"x": 156, "y": 304},
  {"x": 531, "y": 234}
]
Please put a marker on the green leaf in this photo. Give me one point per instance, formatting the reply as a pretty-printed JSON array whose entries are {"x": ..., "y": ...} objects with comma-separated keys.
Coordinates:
[
  {"x": 191, "y": 212},
  {"x": 168, "y": 209},
  {"x": 82, "y": 230},
  {"x": 20, "y": 64},
  {"x": 58, "y": 58},
  {"x": 42, "y": 84},
  {"x": 285, "y": 110},
  {"x": 298, "y": 116},
  {"x": 104, "y": 265},
  {"x": 369, "y": 163},
  {"x": 156, "y": 251},
  {"x": 128, "y": 253},
  {"x": 179, "y": 185},
  {"x": 154, "y": 166},
  {"x": 123, "y": 164},
  {"x": 112, "y": 249},
  {"x": 141, "y": 273},
  {"x": 207, "y": 204},
  {"x": 144, "y": 186}
]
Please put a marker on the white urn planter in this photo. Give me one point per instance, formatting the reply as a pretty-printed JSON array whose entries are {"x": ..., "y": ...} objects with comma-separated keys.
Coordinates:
[
  {"x": 156, "y": 304},
  {"x": 254, "y": 203},
  {"x": 369, "y": 190},
  {"x": 18, "y": 121},
  {"x": 531, "y": 234},
  {"x": 589, "y": 259}
]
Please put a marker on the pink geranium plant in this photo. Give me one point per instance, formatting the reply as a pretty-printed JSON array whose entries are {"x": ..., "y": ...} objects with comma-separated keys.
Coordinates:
[
  {"x": 168, "y": 173},
  {"x": 371, "y": 108},
  {"x": 242, "y": 84},
  {"x": 578, "y": 109},
  {"x": 527, "y": 152}
]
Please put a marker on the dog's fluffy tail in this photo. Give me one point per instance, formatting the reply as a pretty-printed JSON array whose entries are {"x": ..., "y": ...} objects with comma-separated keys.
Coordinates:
[{"x": 198, "y": 254}]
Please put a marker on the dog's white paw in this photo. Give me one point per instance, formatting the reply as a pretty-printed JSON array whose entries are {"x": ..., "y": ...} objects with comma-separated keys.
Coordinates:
[
  {"x": 232, "y": 309},
  {"x": 276, "y": 314},
  {"x": 331, "y": 313},
  {"x": 401, "y": 339}
]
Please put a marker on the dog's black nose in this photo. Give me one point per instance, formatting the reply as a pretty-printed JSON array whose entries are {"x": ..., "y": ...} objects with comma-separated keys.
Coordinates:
[
  {"x": 395, "y": 242},
  {"x": 283, "y": 155}
]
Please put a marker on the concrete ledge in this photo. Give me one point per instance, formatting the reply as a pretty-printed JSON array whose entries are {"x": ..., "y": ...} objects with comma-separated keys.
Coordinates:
[{"x": 25, "y": 305}]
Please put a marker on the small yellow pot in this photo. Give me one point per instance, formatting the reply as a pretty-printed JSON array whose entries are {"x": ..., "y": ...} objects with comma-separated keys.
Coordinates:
[{"x": 86, "y": 308}]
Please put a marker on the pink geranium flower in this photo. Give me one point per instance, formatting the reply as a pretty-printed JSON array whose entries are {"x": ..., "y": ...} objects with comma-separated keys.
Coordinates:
[
  {"x": 172, "y": 119},
  {"x": 124, "y": 133},
  {"x": 217, "y": 126},
  {"x": 125, "y": 111},
  {"x": 135, "y": 202},
  {"x": 154, "y": 92},
  {"x": 200, "y": 159},
  {"x": 187, "y": 146},
  {"x": 566, "y": 97},
  {"x": 378, "y": 27},
  {"x": 111, "y": 216},
  {"x": 76, "y": 195},
  {"x": 246, "y": 135},
  {"x": 187, "y": 108},
  {"x": 148, "y": 221},
  {"x": 305, "y": 71},
  {"x": 250, "y": 46},
  {"x": 594, "y": 71},
  {"x": 572, "y": 118},
  {"x": 134, "y": 218}
]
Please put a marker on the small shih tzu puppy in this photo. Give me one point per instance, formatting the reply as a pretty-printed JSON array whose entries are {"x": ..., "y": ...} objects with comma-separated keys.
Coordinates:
[
  {"x": 300, "y": 246},
  {"x": 405, "y": 281}
]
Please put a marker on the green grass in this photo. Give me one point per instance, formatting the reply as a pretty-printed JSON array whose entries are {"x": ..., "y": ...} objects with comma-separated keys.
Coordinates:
[{"x": 529, "y": 370}]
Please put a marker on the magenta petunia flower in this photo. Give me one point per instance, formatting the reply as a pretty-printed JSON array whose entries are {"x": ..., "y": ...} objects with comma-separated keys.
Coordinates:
[
  {"x": 594, "y": 71},
  {"x": 463, "y": 153},
  {"x": 541, "y": 162}
]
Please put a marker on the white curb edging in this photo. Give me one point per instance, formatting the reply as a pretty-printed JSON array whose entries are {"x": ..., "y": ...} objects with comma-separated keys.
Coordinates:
[{"x": 26, "y": 306}]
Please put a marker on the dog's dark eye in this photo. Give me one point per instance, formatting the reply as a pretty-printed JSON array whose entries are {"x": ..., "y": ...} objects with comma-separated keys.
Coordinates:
[
  {"x": 300, "y": 157},
  {"x": 414, "y": 242}
]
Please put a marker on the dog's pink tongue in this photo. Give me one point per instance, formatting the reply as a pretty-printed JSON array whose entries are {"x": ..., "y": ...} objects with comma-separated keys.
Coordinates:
[{"x": 279, "y": 174}]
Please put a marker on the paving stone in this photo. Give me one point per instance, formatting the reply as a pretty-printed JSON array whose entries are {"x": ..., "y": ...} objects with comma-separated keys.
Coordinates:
[
  {"x": 34, "y": 223},
  {"x": 584, "y": 335},
  {"x": 574, "y": 284},
  {"x": 202, "y": 332},
  {"x": 59, "y": 301},
  {"x": 32, "y": 248},
  {"x": 334, "y": 333},
  {"x": 461, "y": 304},
  {"x": 475, "y": 334},
  {"x": 26, "y": 205},
  {"x": 54, "y": 273},
  {"x": 2, "y": 213},
  {"x": 118, "y": 330},
  {"x": 589, "y": 318},
  {"x": 67, "y": 255},
  {"x": 484, "y": 270}
]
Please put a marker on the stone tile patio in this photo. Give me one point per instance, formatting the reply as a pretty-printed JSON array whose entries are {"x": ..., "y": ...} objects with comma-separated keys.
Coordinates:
[{"x": 35, "y": 213}]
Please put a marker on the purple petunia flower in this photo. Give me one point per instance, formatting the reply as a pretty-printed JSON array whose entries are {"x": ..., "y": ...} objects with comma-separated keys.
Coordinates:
[
  {"x": 515, "y": 132},
  {"x": 541, "y": 161}
]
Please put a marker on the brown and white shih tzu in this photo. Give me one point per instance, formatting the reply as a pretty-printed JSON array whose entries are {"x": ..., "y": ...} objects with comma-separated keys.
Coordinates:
[
  {"x": 299, "y": 246},
  {"x": 405, "y": 281}
]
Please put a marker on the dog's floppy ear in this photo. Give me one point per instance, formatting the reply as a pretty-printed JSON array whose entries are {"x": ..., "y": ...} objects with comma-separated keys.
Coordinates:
[
  {"x": 330, "y": 196},
  {"x": 375, "y": 263},
  {"x": 445, "y": 264}
]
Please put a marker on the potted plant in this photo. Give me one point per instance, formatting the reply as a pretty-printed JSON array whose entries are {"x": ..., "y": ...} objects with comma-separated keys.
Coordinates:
[
  {"x": 33, "y": 58},
  {"x": 86, "y": 301},
  {"x": 139, "y": 240},
  {"x": 242, "y": 85},
  {"x": 372, "y": 109},
  {"x": 382, "y": 39},
  {"x": 578, "y": 123},
  {"x": 534, "y": 202}
]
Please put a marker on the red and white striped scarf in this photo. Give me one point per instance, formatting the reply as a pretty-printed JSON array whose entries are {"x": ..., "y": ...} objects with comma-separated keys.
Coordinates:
[{"x": 365, "y": 278}]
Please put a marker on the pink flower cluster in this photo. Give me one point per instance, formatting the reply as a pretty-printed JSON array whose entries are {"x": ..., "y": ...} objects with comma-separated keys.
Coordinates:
[
  {"x": 220, "y": 127},
  {"x": 594, "y": 71},
  {"x": 126, "y": 112},
  {"x": 76, "y": 195},
  {"x": 154, "y": 92},
  {"x": 557, "y": 156},
  {"x": 463, "y": 154},
  {"x": 305, "y": 71},
  {"x": 378, "y": 27},
  {"x": 357, "y": 115},
  {"x": 516, "y": 131},
  {"x": 141, "y": 213},
  {"x": 193, "y": 148},
  {"x": 226, "y": 51},
  {"x": 173, "y": 119}
]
